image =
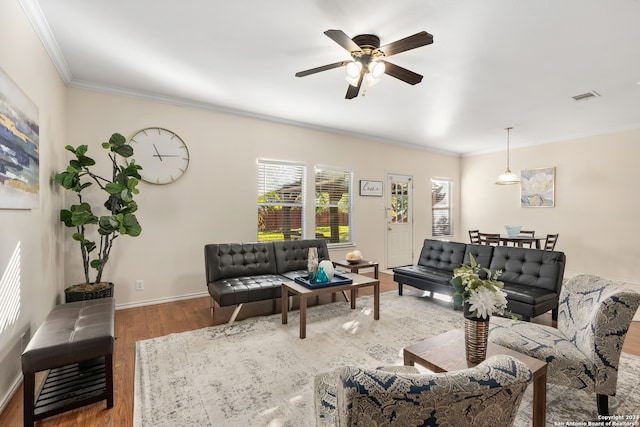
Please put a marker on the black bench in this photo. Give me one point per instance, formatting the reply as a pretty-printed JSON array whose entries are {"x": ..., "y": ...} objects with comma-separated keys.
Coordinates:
[{"x": 75, "y": 345}]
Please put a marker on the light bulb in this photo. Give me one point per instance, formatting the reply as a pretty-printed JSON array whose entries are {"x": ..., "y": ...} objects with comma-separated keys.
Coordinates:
[
  {"x": 353, "y": 69},
  {"x": 376, "y": 69}
]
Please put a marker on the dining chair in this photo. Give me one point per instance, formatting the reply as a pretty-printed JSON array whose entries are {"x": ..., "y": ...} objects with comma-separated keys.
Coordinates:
[
  {"x": 489, "y": 239},
  {"x": 550, "y": 242},
  {"x": 528, "y": 233},
  {"x": 474, "y": 236}
]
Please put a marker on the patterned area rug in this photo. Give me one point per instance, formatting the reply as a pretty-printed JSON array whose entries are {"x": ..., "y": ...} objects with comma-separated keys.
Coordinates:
[{"x": 258, "y": 372}]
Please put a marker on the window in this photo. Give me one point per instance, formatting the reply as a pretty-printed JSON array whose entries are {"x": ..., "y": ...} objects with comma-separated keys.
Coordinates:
[
  {"x": 442, "y": 218},
  {"x": 333, "y": 204},
  {"x": 281, "y": 195}
]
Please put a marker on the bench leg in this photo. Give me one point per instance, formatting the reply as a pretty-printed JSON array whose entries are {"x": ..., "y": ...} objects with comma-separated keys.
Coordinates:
[
  {"x": 29, "y": 386},
  {"x": 400, "y": 289},
  {"x": 108, "y": 372}
]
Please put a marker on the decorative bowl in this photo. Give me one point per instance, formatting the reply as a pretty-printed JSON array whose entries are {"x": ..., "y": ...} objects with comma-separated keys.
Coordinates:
[
  {"x": 513, "y": 230},
  {"x": 354, "y": 261}
]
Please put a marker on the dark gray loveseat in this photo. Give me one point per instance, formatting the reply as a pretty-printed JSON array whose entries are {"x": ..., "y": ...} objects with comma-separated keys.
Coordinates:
[
  {"x": 532, "y": 277},
  {"x": 237, "y": 273}
]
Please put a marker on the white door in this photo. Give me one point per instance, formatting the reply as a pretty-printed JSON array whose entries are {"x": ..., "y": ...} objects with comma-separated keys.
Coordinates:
[{"x": 399, "y": 208}]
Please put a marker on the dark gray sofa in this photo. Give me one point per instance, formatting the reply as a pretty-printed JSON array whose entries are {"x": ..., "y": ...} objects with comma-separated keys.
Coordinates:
[
  {"x": 532, "y": 277},
  {"x": 237, "y": 273}
]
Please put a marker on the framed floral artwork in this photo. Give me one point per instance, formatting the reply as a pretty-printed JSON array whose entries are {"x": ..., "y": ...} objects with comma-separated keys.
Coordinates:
[{"x": 537, "y": 188}]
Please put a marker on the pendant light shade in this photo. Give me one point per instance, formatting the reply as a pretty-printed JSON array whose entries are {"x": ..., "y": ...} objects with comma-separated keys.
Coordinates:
[{"x": 508, "y": 177}]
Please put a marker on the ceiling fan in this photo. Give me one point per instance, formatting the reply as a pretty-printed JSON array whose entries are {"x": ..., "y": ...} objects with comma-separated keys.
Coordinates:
[{"x": 368, "y": 59}]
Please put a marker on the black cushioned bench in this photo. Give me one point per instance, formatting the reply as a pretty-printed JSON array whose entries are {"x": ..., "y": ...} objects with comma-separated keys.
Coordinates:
[{"x": 75, "y": 344}]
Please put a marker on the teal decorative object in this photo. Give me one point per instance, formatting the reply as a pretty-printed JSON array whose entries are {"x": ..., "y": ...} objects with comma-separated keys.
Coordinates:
[{"x": 322, "y": 276}]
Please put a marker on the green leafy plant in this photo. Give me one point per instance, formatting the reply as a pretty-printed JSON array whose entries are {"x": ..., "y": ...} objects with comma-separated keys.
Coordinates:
[
  {"x": 96, "y": 234},
  {"x": 485, "y": 296}
]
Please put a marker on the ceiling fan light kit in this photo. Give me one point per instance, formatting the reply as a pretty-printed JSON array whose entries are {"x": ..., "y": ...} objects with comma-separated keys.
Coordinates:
[
  {"x": 508, "y": 177},
  {"x": 367, "y": 61}
]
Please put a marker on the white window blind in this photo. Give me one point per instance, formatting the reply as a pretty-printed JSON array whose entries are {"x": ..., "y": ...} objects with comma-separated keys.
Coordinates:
[
  {"x": 281, "y": 197},
  {"x": 333, "y": 189},
  {"x": 441, "y": 218}
]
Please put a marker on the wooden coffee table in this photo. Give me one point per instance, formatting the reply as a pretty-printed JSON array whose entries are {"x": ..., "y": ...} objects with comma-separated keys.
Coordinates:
[
  {"x": 293, "y": 288},
  {"x": 446, "y": 352}
]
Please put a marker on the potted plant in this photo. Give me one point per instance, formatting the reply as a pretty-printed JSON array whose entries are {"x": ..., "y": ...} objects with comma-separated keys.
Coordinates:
[
  {"x": 96, "y": 233},
  {"x": 480, "y": 294}
]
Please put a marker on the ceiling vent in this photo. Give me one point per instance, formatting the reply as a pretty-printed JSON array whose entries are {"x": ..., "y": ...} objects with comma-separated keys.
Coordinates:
[{"x": 586, "y": 96}]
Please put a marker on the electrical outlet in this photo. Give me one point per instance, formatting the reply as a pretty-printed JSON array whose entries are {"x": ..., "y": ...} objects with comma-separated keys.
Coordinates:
[{"x": 139, "y": 285}]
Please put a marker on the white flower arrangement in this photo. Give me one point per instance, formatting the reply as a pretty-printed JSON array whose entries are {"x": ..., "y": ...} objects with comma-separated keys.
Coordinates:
[{"x": 485, "y": 296}]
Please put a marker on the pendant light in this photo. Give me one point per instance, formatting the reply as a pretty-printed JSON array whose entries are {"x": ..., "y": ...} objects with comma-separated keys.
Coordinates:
[{"x": 508, "y": 177}]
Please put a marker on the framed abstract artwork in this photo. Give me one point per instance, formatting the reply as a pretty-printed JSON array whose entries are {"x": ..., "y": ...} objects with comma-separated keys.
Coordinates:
[
  {"x": 19, "y": 148},
  {"x": 537, "y": 188}
]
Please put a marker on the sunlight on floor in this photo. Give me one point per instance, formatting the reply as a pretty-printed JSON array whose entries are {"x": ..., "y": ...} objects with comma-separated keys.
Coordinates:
[{"x": 351, "y": 326}]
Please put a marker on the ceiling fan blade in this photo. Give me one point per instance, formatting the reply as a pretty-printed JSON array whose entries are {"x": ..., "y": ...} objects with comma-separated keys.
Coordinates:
[
  {"x": 401, "y": 73},
  {"x": 323, "y": 68},
  {"x": 420, "y": 39},
  {"x": 352, "y": 91},
  {"x": 343, "y": 40}
]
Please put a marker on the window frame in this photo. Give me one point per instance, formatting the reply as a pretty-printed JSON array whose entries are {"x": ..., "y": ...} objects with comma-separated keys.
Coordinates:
[
  {"x": 349, "y": 206},
  {"x": 301, "y": 172},
  {"x": 436, "y": 209}
]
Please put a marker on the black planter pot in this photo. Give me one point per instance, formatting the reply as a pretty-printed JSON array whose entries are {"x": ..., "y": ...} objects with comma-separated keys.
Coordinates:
[{"x": 71, "y": 295}]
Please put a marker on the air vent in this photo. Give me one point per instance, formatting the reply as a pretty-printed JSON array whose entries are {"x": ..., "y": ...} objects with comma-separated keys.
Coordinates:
[{"x": 586, "y": 96}]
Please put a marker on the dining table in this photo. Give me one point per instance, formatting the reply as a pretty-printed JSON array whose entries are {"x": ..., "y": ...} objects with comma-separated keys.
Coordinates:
[{"x": 521, "y": 240}]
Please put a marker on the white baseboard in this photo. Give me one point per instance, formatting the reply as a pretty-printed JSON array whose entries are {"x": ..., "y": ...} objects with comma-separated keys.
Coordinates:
[
  {"x": 7, "y": 398},
  {"x": 161, "y": 300}
]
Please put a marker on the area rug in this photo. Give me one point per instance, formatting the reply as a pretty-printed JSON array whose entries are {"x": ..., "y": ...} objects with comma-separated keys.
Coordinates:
[{"x": 258, "y": 372}]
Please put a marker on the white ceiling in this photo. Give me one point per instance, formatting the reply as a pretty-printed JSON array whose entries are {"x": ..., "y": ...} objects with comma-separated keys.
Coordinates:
[{"x": 493, "y": 63}]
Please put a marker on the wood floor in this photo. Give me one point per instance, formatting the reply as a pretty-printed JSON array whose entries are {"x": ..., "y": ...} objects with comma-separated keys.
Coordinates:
[{"x": 162, "y": 319}]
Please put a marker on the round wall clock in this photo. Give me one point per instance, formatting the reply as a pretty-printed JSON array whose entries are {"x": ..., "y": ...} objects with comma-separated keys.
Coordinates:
[{"x": 163, "y": 155}]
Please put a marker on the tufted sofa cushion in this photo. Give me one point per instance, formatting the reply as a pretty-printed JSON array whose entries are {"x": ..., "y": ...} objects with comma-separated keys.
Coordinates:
[
  {"x": 442, "y": 255},
  {"x": 520, "y": 266},
  {"x": 292, "y": 255},
  {"x": 228, "y": 260}
]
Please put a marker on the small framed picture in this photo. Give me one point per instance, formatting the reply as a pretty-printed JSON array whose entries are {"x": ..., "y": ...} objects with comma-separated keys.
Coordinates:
[{"x": 370, "y": 188}]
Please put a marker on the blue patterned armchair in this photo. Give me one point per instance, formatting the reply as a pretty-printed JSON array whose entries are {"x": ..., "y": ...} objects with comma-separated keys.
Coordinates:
[
  {"x": 584, "y": 351},
  {"x": 486, "y": 395}
]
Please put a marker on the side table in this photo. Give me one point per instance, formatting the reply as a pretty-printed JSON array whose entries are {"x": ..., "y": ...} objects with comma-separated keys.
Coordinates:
[
  {"x": 355, "y": 267},
  {"x": 445, "y": 353}
]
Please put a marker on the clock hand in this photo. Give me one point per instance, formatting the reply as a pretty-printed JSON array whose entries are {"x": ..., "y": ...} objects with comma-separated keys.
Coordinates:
[
  {"x": 165, "y": 155},
  {"x": 159, "y": 156}
]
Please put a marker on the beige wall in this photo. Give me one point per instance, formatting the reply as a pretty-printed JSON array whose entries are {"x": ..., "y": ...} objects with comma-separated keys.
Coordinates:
[
  {"x": 596, "y": 205},
  {"x": 35, "y": 231},
  {"x": 215, "y": 201}
]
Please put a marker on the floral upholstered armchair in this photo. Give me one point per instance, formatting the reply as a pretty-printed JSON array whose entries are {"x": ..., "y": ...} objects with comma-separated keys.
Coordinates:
[
  {"x": 486, "y": 395},
  {"x": 594, "y": 315}
]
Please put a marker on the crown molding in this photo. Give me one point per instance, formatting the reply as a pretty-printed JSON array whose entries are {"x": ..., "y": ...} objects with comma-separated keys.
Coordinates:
[{"x": 41, "y": 27}]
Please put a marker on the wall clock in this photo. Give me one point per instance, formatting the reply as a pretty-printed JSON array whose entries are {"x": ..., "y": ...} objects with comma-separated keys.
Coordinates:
[{"x": 163, "y": 155}]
